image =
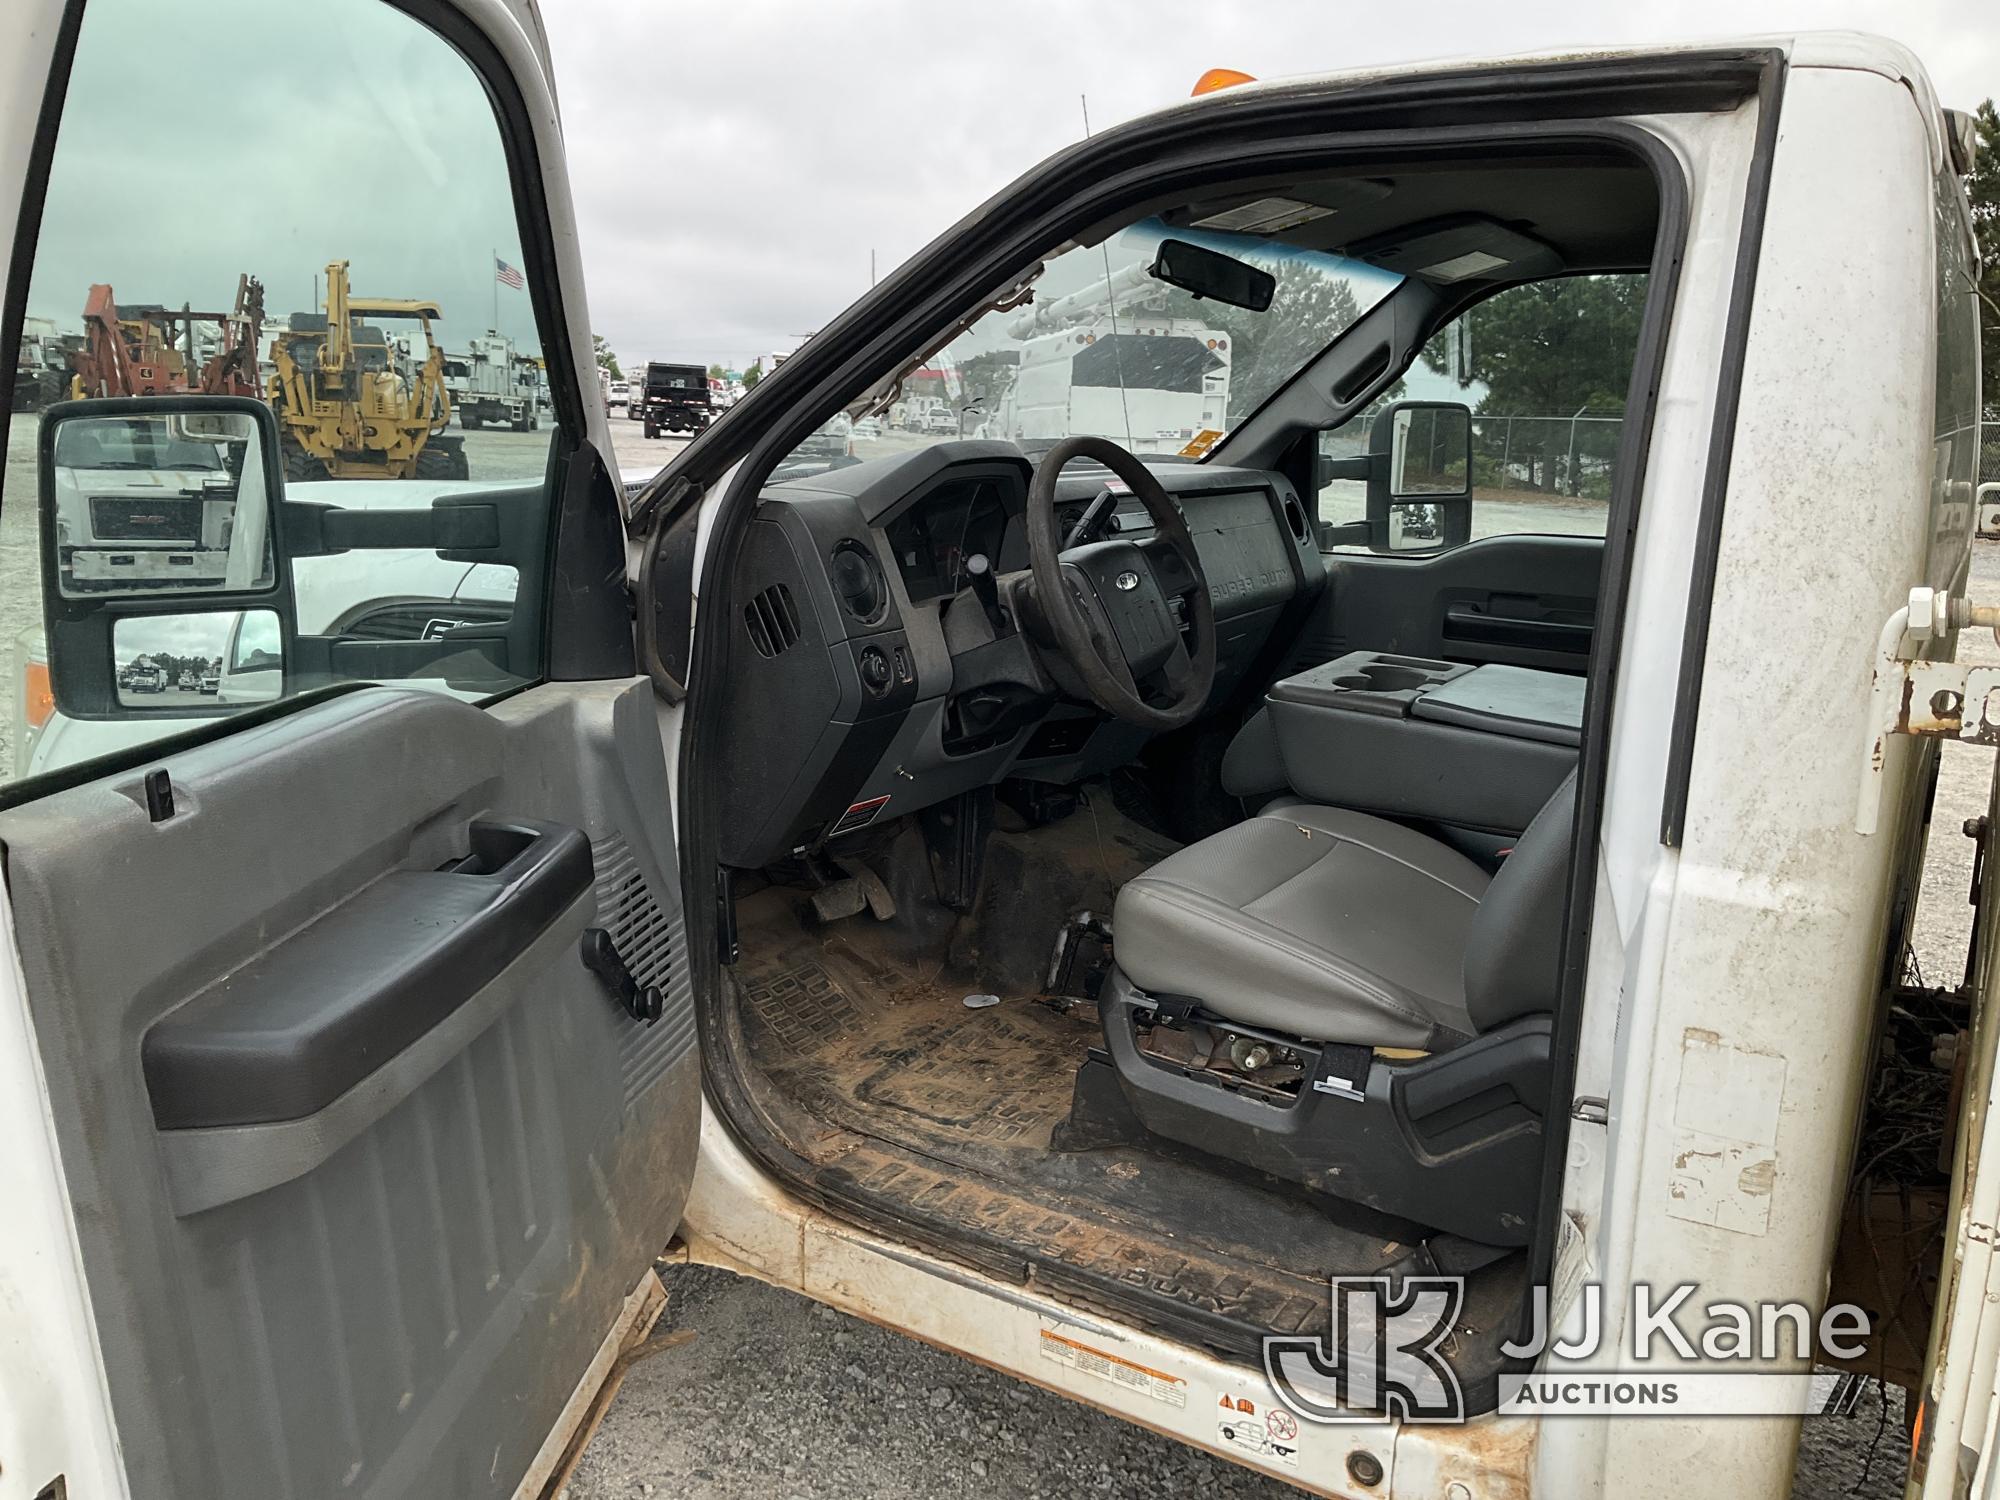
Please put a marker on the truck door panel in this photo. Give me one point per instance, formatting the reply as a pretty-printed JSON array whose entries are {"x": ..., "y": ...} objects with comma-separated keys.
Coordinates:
[
  {"x": 1526, "y": 601},
  {"x": 364, "y": 1159}
]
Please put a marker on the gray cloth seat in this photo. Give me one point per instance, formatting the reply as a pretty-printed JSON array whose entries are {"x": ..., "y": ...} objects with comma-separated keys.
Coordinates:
[{"x": 1339, "y": 927}]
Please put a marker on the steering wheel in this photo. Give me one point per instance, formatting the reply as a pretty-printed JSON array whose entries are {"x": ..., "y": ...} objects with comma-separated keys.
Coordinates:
[{"x": 1109, "y": 603}]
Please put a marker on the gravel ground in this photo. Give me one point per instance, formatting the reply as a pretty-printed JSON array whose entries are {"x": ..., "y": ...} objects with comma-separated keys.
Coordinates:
[{"x": 782, "y": 1399}]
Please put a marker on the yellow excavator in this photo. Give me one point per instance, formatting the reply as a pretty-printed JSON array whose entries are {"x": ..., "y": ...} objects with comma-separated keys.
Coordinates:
[{"x": 354, "y": 404}]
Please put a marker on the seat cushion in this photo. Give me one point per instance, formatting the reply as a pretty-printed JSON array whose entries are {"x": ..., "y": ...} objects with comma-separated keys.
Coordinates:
[{"x": 1325, "y": 924}]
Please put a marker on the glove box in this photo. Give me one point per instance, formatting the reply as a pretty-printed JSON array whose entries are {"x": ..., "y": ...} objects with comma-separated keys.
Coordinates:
[{"x": 1481, "y": 747}]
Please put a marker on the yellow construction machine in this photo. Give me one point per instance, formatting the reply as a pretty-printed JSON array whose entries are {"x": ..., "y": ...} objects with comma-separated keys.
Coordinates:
[{"x": 353, "y": 403}]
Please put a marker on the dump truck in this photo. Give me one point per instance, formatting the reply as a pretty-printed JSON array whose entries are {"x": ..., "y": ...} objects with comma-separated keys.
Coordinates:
[{"x": 675, "y": 398}]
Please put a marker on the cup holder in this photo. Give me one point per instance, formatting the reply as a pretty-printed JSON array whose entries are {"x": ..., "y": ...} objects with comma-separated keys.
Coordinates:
[
  {"x": 1367, "y": 682},
  {"x": 1380, "y": 677}
]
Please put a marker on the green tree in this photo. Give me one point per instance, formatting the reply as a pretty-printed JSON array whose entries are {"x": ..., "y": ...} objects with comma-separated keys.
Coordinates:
[
  {"x": 751, "y": 376},
  {"x": 1982, "y": 186},
  {"x": 606, "y": 360},
  {"x": 1554, "y": 348},
  {"x": 715, "y": 373},
  {"x": 1553, "y": 351}
]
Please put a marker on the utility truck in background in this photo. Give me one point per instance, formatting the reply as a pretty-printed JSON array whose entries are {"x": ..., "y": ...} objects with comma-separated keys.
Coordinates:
[
  {"x": 1410, "y": 999},
  {"x": 42, "y": 368},
  {"x": 1098, "y": 360},
  {"x": 501, "y": 387}
]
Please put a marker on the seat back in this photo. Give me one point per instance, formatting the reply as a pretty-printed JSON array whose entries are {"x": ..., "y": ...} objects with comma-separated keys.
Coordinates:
[{"x": 1513, "y": 950}]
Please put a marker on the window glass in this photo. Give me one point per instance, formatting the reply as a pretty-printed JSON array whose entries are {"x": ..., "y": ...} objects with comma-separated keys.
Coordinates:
[
  {"x": 1544, "y": 368},
  {"x": 1101, "y": 346},
  {"x": 338, "y": 245}
]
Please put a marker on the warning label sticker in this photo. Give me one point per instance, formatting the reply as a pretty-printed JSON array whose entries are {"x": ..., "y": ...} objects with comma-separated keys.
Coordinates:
[
  {"x": 1158, "y": 1384},
  {"x": 1264, "y": 1430}
]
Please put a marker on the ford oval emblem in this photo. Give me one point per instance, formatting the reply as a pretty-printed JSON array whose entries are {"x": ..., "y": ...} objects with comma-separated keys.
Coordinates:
[{"x": 1127, "y": 581}]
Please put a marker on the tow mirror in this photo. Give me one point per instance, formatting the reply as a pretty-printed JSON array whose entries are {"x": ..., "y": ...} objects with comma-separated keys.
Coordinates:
[
  {"x": 163, "y": 496},
  {"x": 1420, "y": 477},
  {"x": 1210, "y": 273},
  {"x": 160, "y": 533}
]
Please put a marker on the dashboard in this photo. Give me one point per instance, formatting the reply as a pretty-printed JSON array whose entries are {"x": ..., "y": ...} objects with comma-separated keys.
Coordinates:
[{"x": 866, "y": 681}]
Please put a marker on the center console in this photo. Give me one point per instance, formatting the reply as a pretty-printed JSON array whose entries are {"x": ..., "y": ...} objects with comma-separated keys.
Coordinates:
[{"x": 1479, "y": 747}]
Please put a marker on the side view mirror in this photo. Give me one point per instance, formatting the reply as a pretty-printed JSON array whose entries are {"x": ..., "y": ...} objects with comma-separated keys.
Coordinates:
[
  {"x": 1420, "y": 477},
  {"x": 175, "y": 563},
  {"x": 159, "y": 530}
]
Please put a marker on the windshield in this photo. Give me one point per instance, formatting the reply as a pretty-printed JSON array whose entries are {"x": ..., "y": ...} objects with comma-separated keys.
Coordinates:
[{"x": 1104, "y": 348}]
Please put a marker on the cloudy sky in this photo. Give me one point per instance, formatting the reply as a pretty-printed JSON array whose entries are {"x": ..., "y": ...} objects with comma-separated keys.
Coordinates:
[{"x": 736, "y": 165}]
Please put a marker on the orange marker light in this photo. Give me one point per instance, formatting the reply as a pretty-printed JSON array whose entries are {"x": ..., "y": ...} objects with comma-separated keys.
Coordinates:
[
  {"x": 40, "y": 697},
  {"x": 1219, "y": 78}
]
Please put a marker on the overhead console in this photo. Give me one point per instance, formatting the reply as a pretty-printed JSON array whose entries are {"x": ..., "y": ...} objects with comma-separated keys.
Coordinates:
[
  {"x": 1478, "y": 747},
  {"x": 875, "y": 670}
]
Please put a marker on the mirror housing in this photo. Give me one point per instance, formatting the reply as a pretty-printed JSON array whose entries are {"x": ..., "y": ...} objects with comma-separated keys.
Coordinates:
[
  {"x": 1211, "y": 274},
  {"x": 157, "y": 513},
  {"x": 1420, "y": 477}
]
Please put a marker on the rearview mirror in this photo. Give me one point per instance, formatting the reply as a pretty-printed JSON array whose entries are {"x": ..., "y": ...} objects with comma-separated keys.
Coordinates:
[
  {"x": 168, "y": 496},
  {"x": 1210, "y": 273}
]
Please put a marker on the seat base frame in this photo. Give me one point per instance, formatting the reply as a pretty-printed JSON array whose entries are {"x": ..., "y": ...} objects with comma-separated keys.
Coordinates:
[{"x": 1452, "y": 1141}]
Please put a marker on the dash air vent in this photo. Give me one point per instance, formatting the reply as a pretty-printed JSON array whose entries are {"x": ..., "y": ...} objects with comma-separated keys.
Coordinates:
[{"x": 773, "y": 620}]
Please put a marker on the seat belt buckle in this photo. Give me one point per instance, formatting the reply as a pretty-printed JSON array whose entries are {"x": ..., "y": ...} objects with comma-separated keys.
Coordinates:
[{"x": 1342, "y": 1071}]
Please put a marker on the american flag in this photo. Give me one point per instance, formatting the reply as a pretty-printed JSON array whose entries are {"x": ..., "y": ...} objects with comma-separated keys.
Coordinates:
[{"x": 506, "y": 275}]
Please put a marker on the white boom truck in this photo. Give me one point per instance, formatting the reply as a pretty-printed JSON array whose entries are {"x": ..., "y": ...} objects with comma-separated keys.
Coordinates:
[
  {"x": 501, "y": 387},
  {"x": 1508, "y": 939},
  {"x": 1099, "y": 360}
]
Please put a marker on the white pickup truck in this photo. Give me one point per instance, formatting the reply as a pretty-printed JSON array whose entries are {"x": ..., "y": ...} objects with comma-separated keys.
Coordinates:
[{"x": 1377, "y": 950}]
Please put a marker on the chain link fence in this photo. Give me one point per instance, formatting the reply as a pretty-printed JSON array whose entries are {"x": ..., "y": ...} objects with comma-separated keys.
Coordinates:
[{"x": 1572, "y": 457}]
